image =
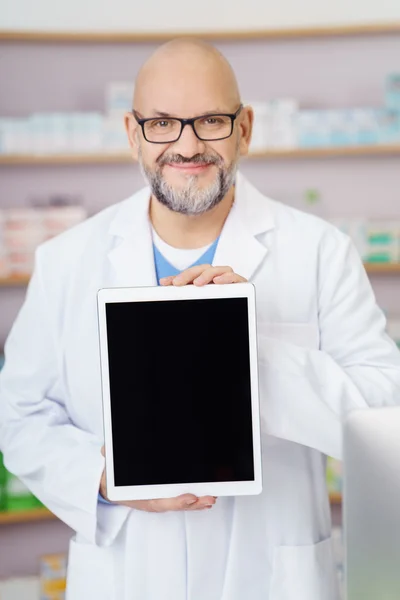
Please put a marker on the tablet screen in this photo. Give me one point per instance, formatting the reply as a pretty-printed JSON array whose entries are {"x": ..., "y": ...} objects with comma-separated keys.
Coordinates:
[{"x": 180, "y": 391}]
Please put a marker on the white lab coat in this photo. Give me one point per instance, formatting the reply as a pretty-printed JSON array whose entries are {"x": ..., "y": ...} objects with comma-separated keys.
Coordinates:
[{"x": 322, "y": 353}]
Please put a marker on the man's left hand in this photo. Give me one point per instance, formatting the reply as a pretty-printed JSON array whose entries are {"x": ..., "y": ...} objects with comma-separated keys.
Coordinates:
[{"x": 203, "y": 275}]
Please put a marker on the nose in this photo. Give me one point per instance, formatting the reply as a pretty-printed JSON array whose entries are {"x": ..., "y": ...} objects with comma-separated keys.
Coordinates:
[{"x": 188, "y": 144}]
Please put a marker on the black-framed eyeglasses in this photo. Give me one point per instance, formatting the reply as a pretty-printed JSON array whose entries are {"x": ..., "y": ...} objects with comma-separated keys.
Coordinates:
[{"x": 208, "y": 128}]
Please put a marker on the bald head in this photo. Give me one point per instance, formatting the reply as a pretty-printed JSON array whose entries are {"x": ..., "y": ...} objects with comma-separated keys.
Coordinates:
[
  {"x": 191, "y": 166},
  {"x": 187, "y": 76}
]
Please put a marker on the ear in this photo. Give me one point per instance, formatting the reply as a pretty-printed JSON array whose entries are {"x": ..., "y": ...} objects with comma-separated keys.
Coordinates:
[
  {"x": 246, "y": 128},
  {"x": 131, "y": 126}
]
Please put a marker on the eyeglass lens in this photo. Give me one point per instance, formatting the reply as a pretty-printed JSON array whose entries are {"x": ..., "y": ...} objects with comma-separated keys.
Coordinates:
[{"x": 207, "y": 128}]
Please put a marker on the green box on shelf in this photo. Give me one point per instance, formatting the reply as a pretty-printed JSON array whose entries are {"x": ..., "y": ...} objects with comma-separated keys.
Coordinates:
[
  {"x": 17, "y": 495},
  {"x": 2, "y": 484}
]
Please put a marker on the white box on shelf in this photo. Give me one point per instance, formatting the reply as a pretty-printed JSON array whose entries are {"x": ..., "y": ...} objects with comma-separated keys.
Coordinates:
[
  {"x": 114, "y": 135},
  {"x": 119, "y": 98},
  {"x": 86, "y": 131},
  {"x": 282, "y": 125},
  {"x": 366, "y": 126},
  {"x": 261, "y": 126},
  {"x": 55, "y": 220},
  {"x": 312, "y": 129},
  {"x": 22, "y": 588},
  {"x": 383, "y": 239}
]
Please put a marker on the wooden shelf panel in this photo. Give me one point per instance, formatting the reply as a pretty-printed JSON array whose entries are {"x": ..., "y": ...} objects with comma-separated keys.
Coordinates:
[
  {"x": 14, "y": 281},
  {"x": 161, "y": 36},
  {"x": 125, "y": 157},
  {"x": 335, "y": 498},
  {"x": 332, "y": 152},
  {"x": 383, "y": 269},
  {"x": 26, "y": 516},
  {"x": 65, "y": 159}
]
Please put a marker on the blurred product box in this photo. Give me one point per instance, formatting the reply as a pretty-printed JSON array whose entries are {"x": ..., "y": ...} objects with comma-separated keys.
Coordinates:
[
  {"x": 312, "y": 129},
  {"x": 3, "y": 473},
  {"x": 14, "y": 495},
  {"x": 53, "y": 577},
  {"x": 376, "y": 241},
  {"x": 274, "y": 124},
  {"x": 52, "y": 133},
  {"x": 282, "y": 127},
  {"x": 366, "y": 126},
  {"x": 22, "y": 230},
  {"x": 347, "y": 127},
  {"x": 393, "y": 330},
  {"x": 388, "y": 126},
  {"x": 383, "y": 240},
  {"x": 393, "y": 91},
  {"x": 259, "y": 140},
  {"x": 334, "y": 475},
  {"x": 22, "y": 588},
  {"x": 18, "y": 496},
  {"x": 114, "y": 135},
  {"x": 119, "y": 98},
  {"x": 341, "y": 127}
]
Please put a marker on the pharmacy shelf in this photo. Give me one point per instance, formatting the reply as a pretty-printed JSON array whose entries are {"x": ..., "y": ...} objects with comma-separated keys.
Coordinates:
[
  {"x": 125, "y": 157},
  {"x": 26, "y": 516},
  {"x": 160, "y": 36}
]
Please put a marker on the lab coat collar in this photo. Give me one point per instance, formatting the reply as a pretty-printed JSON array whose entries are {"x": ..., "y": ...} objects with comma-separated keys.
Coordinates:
[{"x": 131, "y": 254}]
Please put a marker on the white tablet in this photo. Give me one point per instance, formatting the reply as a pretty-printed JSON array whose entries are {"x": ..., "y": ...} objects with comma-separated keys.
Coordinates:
[{"x": 180, "y": 391}]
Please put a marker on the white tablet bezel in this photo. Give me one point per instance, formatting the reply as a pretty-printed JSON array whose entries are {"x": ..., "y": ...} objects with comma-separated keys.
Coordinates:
[{"x": 190, "y": 292}]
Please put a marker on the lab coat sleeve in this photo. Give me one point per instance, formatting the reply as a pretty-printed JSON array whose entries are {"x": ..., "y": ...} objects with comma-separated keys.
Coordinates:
[
  {"x": 307, "y": 392},
  {"x": 60, "y": 463}
]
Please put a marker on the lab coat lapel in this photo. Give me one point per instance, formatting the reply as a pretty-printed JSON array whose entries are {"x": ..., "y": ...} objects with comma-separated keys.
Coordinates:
[
  {"x": 250, "y": 216},
  {"x": 131, "y": 252}
]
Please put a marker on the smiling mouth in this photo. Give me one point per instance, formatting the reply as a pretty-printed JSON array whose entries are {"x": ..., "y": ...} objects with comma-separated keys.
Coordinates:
[{"x": 190, "y": 166}]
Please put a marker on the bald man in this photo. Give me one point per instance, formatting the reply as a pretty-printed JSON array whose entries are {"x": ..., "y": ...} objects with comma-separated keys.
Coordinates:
[{"x": 323, "y": 352}]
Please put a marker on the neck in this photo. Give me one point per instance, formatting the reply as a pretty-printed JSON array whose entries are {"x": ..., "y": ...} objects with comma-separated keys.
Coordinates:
[{"x": 188, "y": 231}]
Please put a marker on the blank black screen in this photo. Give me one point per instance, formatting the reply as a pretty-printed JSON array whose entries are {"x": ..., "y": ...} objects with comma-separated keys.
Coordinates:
[{"x": 180, "y": 391}]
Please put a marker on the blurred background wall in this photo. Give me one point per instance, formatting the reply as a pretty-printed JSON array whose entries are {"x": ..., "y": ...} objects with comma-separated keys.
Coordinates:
[{"x": 309, "y": 150}]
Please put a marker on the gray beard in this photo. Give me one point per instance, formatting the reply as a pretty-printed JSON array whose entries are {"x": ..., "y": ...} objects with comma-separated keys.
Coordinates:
[{"x": 190, "y": 200}]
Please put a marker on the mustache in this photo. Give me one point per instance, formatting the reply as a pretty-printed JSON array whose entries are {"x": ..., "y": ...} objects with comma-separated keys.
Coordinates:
[{"x": 196, "y": 159}]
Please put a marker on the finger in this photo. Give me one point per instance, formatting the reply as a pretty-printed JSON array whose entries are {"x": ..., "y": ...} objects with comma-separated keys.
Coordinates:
[
  {"x": 208, "y": 275},
  {"x": 187, "y": 277},
  {"x": 204, "y": 502},
  {"x": 184, "y": 502},
  {"x": 103, "y": 451},
  {"x": 228, "y": 278},
  {"x": 167, "y": 280}
]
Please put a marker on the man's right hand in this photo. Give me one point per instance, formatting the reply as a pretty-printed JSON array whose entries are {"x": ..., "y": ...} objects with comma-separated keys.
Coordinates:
[{"x": 184, "y": 502}]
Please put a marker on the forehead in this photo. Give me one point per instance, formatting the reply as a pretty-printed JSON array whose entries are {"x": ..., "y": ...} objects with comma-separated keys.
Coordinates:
[{"x": 184, "y": 90}]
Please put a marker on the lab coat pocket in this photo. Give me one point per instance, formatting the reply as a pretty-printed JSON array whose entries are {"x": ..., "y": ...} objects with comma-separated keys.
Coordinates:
[
  {"x": 304, "y": 573},
  {"x": 90, "y": 572}
]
